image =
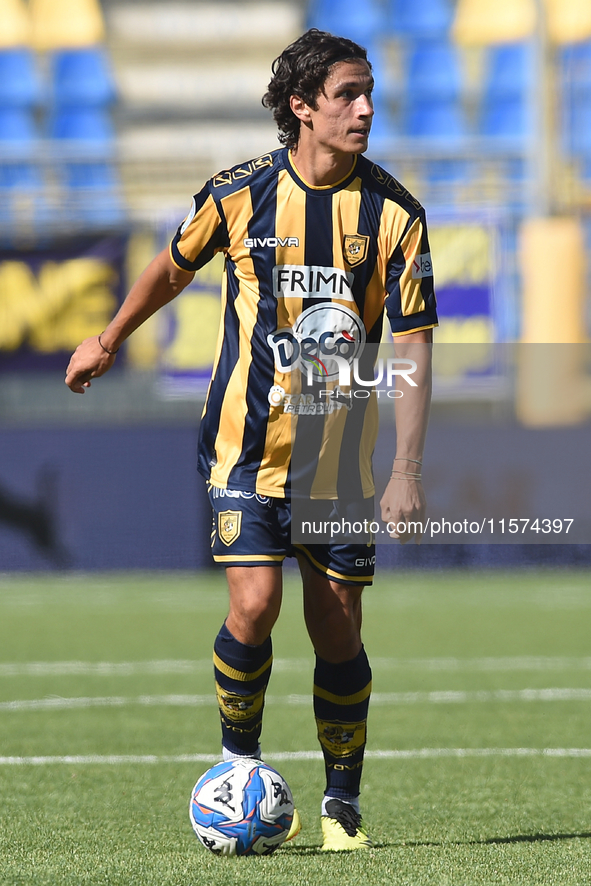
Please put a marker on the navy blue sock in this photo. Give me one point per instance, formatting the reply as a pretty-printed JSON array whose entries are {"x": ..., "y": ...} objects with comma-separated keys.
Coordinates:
[
  {"x": 241, "y": 676},
  {"x": 341, "y": 702}
]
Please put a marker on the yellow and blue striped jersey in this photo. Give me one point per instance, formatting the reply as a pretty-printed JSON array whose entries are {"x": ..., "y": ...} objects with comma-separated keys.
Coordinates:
[{"x": 307, "y": 270}]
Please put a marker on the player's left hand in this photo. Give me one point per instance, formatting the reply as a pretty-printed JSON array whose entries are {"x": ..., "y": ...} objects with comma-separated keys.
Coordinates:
[
  {"x": 404, "y": 502},
  {"x": 89, "y": 360}
]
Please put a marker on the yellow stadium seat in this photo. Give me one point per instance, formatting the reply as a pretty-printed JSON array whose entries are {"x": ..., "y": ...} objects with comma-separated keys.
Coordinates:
[
  {"x": 15, "y": 24},
  {"x": 569, "y": 21},
  {"x": 552, "y": 385},
  {"x": 482, "y": 22},
  {"x": 59, "y": 24}
]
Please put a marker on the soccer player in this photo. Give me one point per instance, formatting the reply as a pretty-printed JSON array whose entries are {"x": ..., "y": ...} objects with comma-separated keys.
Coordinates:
[{"x": 315, "y": 237}]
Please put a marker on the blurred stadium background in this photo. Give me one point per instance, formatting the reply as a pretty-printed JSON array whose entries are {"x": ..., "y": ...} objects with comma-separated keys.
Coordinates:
[{"x": 111, "y": 117}]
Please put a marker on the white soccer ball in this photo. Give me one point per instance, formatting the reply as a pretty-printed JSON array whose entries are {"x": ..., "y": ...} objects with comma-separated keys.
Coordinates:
[{"x": 242, "y": 807}]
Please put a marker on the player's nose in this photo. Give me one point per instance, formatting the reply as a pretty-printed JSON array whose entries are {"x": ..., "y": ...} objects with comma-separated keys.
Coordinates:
[{"x": 365, "y": 106}]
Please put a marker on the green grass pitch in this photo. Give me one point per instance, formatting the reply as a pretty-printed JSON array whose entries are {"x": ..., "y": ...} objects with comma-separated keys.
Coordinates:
[{"x": 482, "y": 679}]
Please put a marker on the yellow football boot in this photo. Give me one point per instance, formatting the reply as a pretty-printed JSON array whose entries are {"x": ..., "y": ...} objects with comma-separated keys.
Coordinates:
[
  {"x": 342, "y": 828},
  {"x": 296, "y": 826}
]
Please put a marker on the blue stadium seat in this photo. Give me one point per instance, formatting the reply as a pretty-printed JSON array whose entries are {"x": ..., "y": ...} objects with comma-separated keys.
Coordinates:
[
  {"x": 441, "y": 172},
  {"x": 24, "y": 176},
  {"x": 82, "y": 77},
  {"x": 92, "y": 127},
  {"x": 383, "y": 124},
  {"x": 433, "y": 71},
  {"x": 577, "y": 125},
  {"x": 17, "y": 126},
  {"x": 420, "y": 18},
  {"x": 575, "y": 99},
  {"x": 92, "y": 176},
  {"x": 441, "y": 121},
  {"x": 575, "y": 67},
  {"x": 507, "y": 118},
  {"x": 506, "y": 113},
  {"x": 359, "y": 20},
  {"x": 510, "y": 70},
  {"x": 19, "y": 83},
  {"x": 20, "y": 178}
]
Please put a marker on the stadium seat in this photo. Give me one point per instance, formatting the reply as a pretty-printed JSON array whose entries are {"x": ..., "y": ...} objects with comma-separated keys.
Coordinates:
[
  {"x": 507, "y": 118},
  {"x": 443, "y": 171},
  {"x": 575, "y": 67},
  {"x": 57, "y": 24},
  {"x": 20, "y": 179},
  {"x": 360, "y": 21},
  {"x": 425, "y": 18},
  {"x": 577, "y": 126},
  {"x": 507, "y": 112},
  {"x": 16, "y": 24},
  {"x": 575, "y": 98},
  {"x": 19, "y": 84},
  {"x": 24, "y": 176},
  {"x": 433, "y": 71},
  {"x": 82, "y": 77},
  {"x": 92, "y": 127},
  {"x": 441, "y": 121},
  {"x": 94, "y": 176},
  {"x": 510, "y": 70},
  {"x": 17, "y": 127},
  {"x": 489, "y": 22},
  {"x": 383, "y": 125}
]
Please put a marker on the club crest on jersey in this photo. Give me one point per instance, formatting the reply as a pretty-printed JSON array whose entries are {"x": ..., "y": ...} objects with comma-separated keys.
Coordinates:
[
  {"x": 229, "y": 526},
  {"x": 355, "y": 248}
]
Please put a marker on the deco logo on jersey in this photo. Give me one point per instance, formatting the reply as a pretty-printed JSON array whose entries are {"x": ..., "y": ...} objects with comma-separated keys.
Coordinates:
[
  {"x": 355, "y": 248},
  {"x": 322, "y": 337},
  {"x": 229, "y": 526}
]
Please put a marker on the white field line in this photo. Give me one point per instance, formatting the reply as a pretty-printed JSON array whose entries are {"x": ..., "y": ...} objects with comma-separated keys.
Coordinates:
[
  {"x": 378, "y": 698},
  {"x": 410, "y": 754},
  {"x": 187, "y": 666}
]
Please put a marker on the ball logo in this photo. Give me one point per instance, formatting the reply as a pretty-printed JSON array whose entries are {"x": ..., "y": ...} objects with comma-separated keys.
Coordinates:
[{"x": 323, "y": 338}]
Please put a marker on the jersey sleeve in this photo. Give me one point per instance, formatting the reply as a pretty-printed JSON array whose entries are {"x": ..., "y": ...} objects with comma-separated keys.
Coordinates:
[
  {"x": 410, "y": 294},
  {"x": 200, "y": 235}
]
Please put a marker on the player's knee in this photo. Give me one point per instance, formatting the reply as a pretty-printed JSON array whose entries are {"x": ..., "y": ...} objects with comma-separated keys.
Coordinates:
[{"x": 251, "y": 621}]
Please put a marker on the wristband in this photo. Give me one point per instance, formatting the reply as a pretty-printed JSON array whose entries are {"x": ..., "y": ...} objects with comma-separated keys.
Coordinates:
[{"x": 106, "y": 350}]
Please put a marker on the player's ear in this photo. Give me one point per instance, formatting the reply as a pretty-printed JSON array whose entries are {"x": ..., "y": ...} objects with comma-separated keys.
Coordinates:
[{"x": 299, "y": 108}]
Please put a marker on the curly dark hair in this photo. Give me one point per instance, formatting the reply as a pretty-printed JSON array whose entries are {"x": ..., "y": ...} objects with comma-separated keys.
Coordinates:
[{"x": 301, "y": 70}]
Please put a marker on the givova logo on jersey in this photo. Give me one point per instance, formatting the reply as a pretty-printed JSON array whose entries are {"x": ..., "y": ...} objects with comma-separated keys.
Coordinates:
[{"x": 322, "y": 337}]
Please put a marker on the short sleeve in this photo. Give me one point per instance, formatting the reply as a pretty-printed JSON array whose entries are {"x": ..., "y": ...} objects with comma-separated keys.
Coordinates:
[
  {"x": 200, "y": 235},
  {"x": 410, "y": 293}
]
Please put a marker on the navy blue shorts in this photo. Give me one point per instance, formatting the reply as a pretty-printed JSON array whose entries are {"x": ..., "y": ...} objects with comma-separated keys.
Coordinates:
[{"x": 255, "y": 530}]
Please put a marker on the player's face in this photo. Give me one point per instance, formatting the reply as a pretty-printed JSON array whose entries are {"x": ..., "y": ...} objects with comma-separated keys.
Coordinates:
[{"x": 342, "y": 119}]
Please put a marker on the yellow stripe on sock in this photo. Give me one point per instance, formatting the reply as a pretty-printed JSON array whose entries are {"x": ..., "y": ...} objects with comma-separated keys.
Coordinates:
[
  {"x": 242, "y": 676},
  {"x": 343, "y": 699}
]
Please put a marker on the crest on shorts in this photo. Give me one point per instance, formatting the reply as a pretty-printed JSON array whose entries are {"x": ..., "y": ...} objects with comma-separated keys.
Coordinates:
[
  {"x": 355, "y": 248},
  {"x": 229, "y": 526}
]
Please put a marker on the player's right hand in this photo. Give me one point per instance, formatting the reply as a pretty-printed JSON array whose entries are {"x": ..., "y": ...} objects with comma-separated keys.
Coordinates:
[{"x": 88, "y": 361}]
